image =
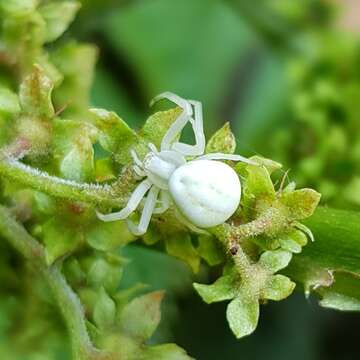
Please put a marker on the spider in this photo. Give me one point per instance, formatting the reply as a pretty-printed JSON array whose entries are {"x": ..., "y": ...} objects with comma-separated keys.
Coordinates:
[{"x": 204, "y": 190}]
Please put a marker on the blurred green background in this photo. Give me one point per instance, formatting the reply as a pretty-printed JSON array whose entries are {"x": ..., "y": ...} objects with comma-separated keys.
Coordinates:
[{"x": 286, "y": 74}]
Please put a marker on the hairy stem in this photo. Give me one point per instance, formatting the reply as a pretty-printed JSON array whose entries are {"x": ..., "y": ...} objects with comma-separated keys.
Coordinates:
[
  {"x": 114, "y": 195},
  {"x": 73, "y": 314},
  {"x": 67, "y": 300},
  {"x": 271, "y": 220},
  {"x": 239, "y": 257},
  {"x": 232, "y": 237}
]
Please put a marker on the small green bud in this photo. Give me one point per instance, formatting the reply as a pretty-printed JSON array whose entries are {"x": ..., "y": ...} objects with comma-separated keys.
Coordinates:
[{"x": 104, "y": 311}]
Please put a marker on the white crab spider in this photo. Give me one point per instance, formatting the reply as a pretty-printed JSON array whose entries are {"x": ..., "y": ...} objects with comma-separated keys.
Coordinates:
[{"x": 205, "y": 191}]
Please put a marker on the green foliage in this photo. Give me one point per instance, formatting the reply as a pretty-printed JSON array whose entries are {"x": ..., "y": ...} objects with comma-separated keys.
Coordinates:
[
  {"x": 321, "y": 136},
  {"x": 223, "y": 141},
  {"x": 35, "y": 95},
  {"x": 245, "y": 293},
  {"x": 333, "y": 276},
  {"x": 60, "y": 162},
  {"x": 57, "y": 25},
  {"x": 134, "y": 325},
  {"x": 266, "y": 215}
]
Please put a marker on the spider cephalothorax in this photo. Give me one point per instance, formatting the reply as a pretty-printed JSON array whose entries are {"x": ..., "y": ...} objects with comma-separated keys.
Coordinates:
[{"x": 204, "y": 190}]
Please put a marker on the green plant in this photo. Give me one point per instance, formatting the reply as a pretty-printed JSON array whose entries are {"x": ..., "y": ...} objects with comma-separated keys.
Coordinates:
[{"x": 60, "y": 161}]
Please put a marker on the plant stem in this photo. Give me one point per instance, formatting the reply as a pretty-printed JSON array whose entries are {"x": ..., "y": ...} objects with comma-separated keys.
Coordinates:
[
  {"x": 239, "y": 257},
  {"x": 232, "y": 237},
  {"x": 98, "y": 195},
  {"x": 269, "y": 221},
  {"x": 67, "y": 300},
  {"x": 73, "y": 314}
]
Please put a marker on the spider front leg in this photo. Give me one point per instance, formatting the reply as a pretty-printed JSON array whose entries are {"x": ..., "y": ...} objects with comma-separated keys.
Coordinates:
[
  {"x": 146, "y": 214},
  {"x": 178, "y": 125},
  {"x": 179, "y": 101},
  {"x": 138, "y": 165},
  {"x": 220, "y": 156},
  {"x": 198, "y": 128},
  {"x": 131, "y": 206}
]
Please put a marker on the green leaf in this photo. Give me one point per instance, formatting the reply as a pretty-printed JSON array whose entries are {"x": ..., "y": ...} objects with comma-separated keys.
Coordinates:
[
  {"x": 165, "y": 352},
  {"x": 242, "y": 315},
  {"x": 223, "y": 141},
  {"x": 18, "y": 7},
  {"x": 331, "y": 264},
  {"x": 343, "y": 293},
  {"x": 123, "y": 297},
  {"x": 181, "y": 246},
  {"x": 269, "y": 164},
  {"x": 9, "y": 102},
  {"x": 258, "y": 183},
  {"x": 73, "y": 149},
  {"x": 299, "y": 237},
  {"x": 290, "y": 245},
  {"x": 336, "y": 245},
  {"x": 35, "y": 94},
  {"x": 224, "y": 288},
  {"x": 278, "y": 287},
  {"x": 58, "y": 16},
  {"x": 157, "y": 125},
  {"x": 108, "y": 236},
  {"x": 115, "y": 135},
  {"x": 275, "y": 260},
  {"x": 142, "y": 315},
  {"x": 293, "y": 241},
  {"x": 210, "y": 250},
  {"x": 301, "y": 203},
  {"x": 104, "y": 311},
  {"x": 341, "y": 302},
  {"x": 22, "y": 35},
  {"x": 59, "y": 239}
]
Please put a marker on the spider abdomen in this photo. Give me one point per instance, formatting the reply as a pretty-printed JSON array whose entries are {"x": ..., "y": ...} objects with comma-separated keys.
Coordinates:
[{"x": 207, "y": 192}]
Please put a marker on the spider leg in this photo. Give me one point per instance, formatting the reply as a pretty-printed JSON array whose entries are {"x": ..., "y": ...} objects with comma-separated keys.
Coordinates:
[
  {"x": 135, "y": 158},
  {"x": 165, "y": 203},
  {"x": 184, "y": 104},
  {"x": 138, "y": 165},
  {"x": 178, "y": 125},
  {"x": 145, "y": 218},
  {"x": 174, "y": 130},
  {"x": 220, "y": 156},
  {"x": 198, "y": 128},
  {"x": 131, "y": 206},
  {"x": 153, "y": 148},
  {"x": 139, "y": 171}
]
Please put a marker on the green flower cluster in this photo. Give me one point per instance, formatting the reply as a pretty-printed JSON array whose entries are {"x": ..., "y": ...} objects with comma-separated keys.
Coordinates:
[{"x": 321, "y": 141}]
